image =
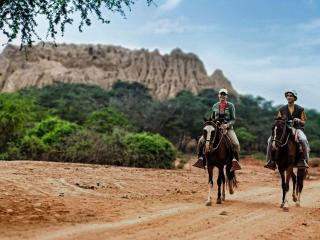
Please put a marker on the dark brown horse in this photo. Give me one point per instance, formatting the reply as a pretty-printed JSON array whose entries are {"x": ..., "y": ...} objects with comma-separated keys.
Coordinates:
[
  {"x": 217, "y": 151},
  {"x": 285, "y": 152}
]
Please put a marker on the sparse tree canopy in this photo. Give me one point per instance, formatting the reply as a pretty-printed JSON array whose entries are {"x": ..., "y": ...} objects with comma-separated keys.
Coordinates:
[{"x": 19, "y": 17}]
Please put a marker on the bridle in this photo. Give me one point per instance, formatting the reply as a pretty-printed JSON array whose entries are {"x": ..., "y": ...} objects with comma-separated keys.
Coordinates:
[
  {"x": 218, "y": 129},
  {"x": 282, "y": 136}
]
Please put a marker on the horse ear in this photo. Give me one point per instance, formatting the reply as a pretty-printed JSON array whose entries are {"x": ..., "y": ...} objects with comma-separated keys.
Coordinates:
[{"x": 205, "y": 119}]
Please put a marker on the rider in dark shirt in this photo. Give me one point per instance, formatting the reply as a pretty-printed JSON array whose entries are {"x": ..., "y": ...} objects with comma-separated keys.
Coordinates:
[{"x": 296, "y": 113}]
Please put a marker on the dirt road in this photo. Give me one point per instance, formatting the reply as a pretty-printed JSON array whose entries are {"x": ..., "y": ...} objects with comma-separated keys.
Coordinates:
[{"x": 54, "y": 201}]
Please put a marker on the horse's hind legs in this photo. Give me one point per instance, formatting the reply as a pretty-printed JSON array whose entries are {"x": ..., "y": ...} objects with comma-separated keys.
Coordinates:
[
  {"x": 223, "y": 187},
  {"x": 300, "y": 177},
  {"x": 219, "y": 182}
]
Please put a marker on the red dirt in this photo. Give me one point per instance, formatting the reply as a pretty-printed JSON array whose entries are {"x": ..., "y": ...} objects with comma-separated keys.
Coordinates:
[{"x": 42, "y": 200}]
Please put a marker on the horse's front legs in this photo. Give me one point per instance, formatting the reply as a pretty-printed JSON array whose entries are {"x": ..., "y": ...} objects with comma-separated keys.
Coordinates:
[
  {"x": 219, "y": 182},
  {"x": 285, "y": 188},
  {"x": 223, "y": 186},
  {"x": 210, "y": 183}
]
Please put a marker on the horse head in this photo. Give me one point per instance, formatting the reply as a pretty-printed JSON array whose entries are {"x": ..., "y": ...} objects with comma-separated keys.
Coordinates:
[
  {"x": 210, "y": 129},
  {"x": 280, "y": 132}
]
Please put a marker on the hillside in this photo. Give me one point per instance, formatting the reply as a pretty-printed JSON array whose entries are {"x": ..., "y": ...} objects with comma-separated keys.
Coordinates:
[{"x": 102, "y": 65}]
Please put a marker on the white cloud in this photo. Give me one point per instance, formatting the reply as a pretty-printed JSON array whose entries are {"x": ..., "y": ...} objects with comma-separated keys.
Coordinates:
[
  {"x": 168, "y": 26},
  {"x": 170, "y": 5}
]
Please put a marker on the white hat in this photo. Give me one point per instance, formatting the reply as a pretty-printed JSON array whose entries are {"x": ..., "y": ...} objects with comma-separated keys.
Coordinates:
[
  {"x": 294, "y": 93},
  {"x": 223, "y": 90}
]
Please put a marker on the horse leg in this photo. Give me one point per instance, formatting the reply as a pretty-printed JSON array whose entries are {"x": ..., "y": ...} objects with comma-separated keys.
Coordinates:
[
  {"x": 223, "y": 185},
  {"x": 294, "y": 181},
  {"x": 283, "y": 186},
  {"x": 300, "y": 178},
  {"x": 219, "y": 182},
  {"x": 287, "y": 180},
  {"x": 230, "y": 178},
  {"x": 210, "y": 183}
]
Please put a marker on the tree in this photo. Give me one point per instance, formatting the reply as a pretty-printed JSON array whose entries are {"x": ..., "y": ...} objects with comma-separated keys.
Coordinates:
[
  {"x": 20, "y": 17},
  {"x": 105, "y": 120},
  {"x": 72, "y": 102},
  {"x": 17, "y": 115}
]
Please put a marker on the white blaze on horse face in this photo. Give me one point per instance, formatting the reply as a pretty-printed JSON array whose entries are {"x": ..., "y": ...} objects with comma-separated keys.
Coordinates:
[
  {"x": 274, "y": 138},
  {"x": 209, "y": 129},
  {"x": 274, "y": 133}
]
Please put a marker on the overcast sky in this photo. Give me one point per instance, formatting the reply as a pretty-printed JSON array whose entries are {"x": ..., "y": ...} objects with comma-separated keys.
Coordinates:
[{"x": 264, "y": 47}]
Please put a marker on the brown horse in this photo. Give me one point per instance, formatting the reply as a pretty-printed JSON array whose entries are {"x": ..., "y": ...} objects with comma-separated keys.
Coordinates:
[
  {"x": 218, "y": 153},
  {"x": 285, "y": 152}
]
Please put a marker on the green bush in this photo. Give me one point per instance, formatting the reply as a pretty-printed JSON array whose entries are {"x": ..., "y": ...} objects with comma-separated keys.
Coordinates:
[
  {"x": 245, "y": 138},
  {"x": 315, "y": 146},
  {"x": 105, "y": 120},
  {"x": 86, "y": 146},
  {"x": 150, "y": 150},
  {"x": 46, "y": 136},
  {"x": 83, "y": 146},
  {"x": 17, "y": 115}
]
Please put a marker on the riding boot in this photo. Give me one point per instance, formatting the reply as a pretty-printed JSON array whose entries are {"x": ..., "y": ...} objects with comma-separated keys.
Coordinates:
[
  {"x": 201, "y": 163},
  {"x": 270, "y": 163},
  {"x": 302, "y": 162},
  {"x": 235, "y": 162}
]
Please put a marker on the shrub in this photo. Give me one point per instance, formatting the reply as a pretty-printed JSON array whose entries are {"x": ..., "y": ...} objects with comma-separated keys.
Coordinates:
[
  {"x": 17, "y": 115},
  {"x": 150, "y": 150},
  {"x": 315, "y": 146},
  {"x": 46, "y": 136},
  {"x": 86, "y": 146},
  {"x": 105, "y": 120}
]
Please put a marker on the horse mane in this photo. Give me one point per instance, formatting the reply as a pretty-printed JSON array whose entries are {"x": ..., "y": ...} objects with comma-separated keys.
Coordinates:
[{"x": 278, "y": 120}]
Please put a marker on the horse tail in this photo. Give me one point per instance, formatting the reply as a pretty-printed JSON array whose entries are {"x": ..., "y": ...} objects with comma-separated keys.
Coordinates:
[{"x": 231, "y": 177}]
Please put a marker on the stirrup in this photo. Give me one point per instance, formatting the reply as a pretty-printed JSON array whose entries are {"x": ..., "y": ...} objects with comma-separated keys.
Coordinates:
[
  {"x": 302, "y": 164},
  {"x": 271, "y": 165},
  {"x": 200, "y": 163},
  {"x": 235, "y": 165}
]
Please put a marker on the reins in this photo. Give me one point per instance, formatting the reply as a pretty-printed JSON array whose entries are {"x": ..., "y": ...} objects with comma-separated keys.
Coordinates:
[
  {"x": 282, "y": 137},
  {"x": 215, "y": 136}
]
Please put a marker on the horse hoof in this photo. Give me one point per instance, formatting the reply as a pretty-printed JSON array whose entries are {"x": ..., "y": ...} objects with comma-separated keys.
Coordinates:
[
  {"x": 281, "y": 205},
  {"x": 208, "y": 203},
  {"x": 294, "y": 198},
  {"x": 298, "y": 204},
  {"x": 223, "y": 199},
  {"x": 285, "y": 209},
  {"x": 219, "y": 201}
]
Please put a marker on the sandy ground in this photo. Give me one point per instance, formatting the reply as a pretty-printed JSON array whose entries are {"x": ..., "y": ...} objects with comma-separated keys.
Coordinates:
[{"x": 41, "y": 200}]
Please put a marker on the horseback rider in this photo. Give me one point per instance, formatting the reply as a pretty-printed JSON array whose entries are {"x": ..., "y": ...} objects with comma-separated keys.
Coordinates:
[
  {"x": 295, "y": 113},
  {"x": 223, "y": 111}
]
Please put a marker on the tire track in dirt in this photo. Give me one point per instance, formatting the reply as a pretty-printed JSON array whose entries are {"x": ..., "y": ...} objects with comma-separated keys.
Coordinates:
[
  {"x": 260, "y": 198},
  {"x": 27, "y": 186}
]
